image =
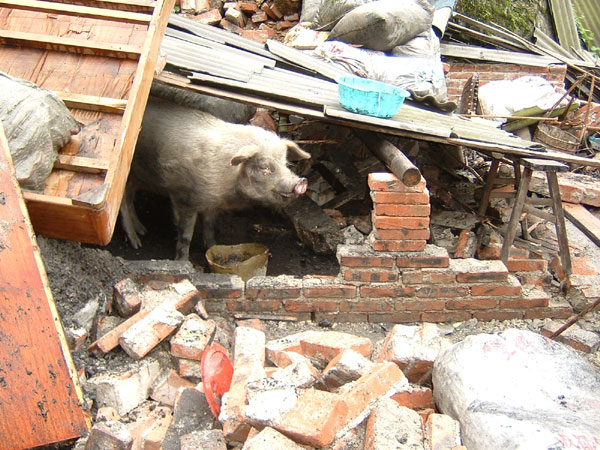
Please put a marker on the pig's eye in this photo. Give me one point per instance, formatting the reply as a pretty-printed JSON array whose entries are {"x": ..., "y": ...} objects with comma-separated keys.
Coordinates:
[{"x": 266, "y": 169}]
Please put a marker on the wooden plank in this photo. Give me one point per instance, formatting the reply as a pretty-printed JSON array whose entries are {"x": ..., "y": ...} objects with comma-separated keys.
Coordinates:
[
  {"x": 93, "y": 103},
  {"x": 132, "y": 118},
  {"x": 81, "y": 164},
  {"x": 584, "y": 220},
  {"x": 79, "y": 11},
  {"x": 63, "y": 44},
  {"x": 40, "y": 399}
]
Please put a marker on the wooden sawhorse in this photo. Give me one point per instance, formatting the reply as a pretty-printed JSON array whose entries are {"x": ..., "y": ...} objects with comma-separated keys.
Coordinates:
[{"x": 525, "y": 204}]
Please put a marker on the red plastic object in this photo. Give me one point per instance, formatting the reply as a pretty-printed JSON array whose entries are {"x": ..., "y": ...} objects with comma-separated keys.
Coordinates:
[{"x": 217, "y": 371}]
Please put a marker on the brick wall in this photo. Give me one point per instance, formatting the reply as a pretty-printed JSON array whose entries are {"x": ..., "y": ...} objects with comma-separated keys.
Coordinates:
[
  {"x": 394, "y": 277},
  {"x": 458, "y": 72}
]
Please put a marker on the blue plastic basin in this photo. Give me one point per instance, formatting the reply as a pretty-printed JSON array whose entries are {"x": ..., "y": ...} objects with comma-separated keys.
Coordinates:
[{"x": 370, "y": 97}]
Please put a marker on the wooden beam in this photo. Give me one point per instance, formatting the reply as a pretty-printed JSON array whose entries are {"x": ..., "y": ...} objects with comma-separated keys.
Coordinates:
[
  {"x": 71, "y": 45},
  {"x": 392, "y": 157},
  {"x": 584, "y": 220},
  {"x": 79, "y": 11},
  {"x": 93, "y": 103}
]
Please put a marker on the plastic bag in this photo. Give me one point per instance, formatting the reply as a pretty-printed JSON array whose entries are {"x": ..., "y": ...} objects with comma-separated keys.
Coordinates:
[
  {"x": 37, "y": 124},
  {"x": 330, "y": 12},
  {"x": 384, "y": 24}
]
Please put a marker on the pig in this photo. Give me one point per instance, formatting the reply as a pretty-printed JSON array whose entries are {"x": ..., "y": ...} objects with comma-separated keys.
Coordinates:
[{"x": 206, "y": 165}]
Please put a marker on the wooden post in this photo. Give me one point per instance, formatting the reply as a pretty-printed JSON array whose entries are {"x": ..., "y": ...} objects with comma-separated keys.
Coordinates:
[{"x": 392, "y": 157}]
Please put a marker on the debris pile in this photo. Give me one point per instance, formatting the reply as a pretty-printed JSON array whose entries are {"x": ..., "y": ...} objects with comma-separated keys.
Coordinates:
[{"x": 314, "y": 389}]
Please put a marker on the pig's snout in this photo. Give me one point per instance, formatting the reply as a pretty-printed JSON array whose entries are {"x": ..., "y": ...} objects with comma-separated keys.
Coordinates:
[{"x": 301, "y": 186}]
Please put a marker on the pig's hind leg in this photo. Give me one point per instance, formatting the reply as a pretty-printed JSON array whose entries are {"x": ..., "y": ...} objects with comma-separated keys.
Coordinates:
[{"x": 131, "y": 223}]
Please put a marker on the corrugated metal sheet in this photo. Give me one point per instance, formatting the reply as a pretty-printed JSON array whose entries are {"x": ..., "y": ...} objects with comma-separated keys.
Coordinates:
[
  {"x": 564, "y": 23},
  {"x": 588, "y": 12},
  {"x": 298, "y": 82}
]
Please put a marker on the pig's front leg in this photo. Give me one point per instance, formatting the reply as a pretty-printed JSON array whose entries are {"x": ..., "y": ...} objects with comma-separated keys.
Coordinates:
[
  {"x": 208, "y": 228},
  {"x": 185, "y": 220}
]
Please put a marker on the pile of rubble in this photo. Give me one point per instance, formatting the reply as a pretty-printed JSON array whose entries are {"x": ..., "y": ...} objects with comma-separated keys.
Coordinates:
[
  {"x": 315, "y": 388},
  {"x": 318, "y": 388},
  {"x": 256, "y": 20}
]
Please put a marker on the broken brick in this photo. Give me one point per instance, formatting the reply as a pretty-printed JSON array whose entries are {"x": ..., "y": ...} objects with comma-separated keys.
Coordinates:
[
  {"x": 165, "y": 390},
  {"x": 347, "y": 366},
  {"x": 110, "y": 435},
  {"x": 270, "y": 438},
  {"x": 323, "y": 347},
  {"x": 192, "y": 337},
  {"x": 442, "y": 432},
  {"x": 391, "y": 426},
  {"x": 314, "y": 419},
  {"x": 360, "y": 395}
]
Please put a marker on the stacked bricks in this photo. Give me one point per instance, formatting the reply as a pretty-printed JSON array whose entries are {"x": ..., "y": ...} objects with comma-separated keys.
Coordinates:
[
  {"x": 400, "y": 214},
  {"x": 383, "y": 280},
  {"x": 459, "y": 72}
]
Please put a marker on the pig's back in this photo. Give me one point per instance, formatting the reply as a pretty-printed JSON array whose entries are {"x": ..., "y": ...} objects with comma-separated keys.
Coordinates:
[{"x": 185, "y": 152}]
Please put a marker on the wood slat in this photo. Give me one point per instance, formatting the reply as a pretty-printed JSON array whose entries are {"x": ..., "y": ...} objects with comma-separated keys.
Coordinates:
[
  {"x": 63, "y": 44},
  {"x": 79, "y": 11},
  {"x": 81, "y": 164},
  {"x": 93, "y": 103}
]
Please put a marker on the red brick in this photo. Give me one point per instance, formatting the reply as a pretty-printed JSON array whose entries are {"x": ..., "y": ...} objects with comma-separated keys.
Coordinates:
[
  {"x": 399, "y": 246},
  {"x": 530, "y": 299},
  {"x": 395, "y": 223},
  {"x": 526, "y": 265},
  {"x": 385, "y": 181},
  {"x": 366, "y": 306},
  {"x": 371, "y": 276},
  {"x": 408, "y": 304},
  {"x": 500, "y": 290},
  {"x": 431, "y": 257},
  {"x": 306, "y": 305},
  {"x": 497, "y": 315},
  {"x": 386, "y": 291},
  {"x": 282, "y": 287},
  {"x": 332, "y": 291},
  {"x": 410, "y": 198},
  {"x": 441, "y": 316},
  {"x": 475, "y": 271},
  {"x": 428, "y": 277},
  {"x": 402, "y": 234},
  {"x": 212, "y": 17},
  {"x": 315, "y": 418},
  {"x": 472, "y": 303},
  {"x": 442, "y": 291},
  {"x": 367, "y": 261},
  {"x": 396, "y": 210},
  {"x": 325, "y": 346},
  {"x": 254, "y": 305},
  {"x": 368, "y": 388}
]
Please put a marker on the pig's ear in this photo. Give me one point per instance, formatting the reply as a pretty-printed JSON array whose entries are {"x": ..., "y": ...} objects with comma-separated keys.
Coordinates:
[
  {"x": 294, "y": 152},
  {"x": 244, "y": 154}
]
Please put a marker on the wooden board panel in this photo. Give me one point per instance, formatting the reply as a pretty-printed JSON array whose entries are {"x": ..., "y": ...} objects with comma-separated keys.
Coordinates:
[
  {"x": 104, "y": 91},
  {"x": 40, "y": 400}
]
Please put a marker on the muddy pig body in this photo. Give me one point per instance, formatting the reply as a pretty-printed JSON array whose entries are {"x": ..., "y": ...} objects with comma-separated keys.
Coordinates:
[{"x": 205, "y": 165}]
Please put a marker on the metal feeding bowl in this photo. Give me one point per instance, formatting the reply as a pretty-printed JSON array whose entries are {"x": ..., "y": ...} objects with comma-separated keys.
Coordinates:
[{"x": 370, "y": 97}]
